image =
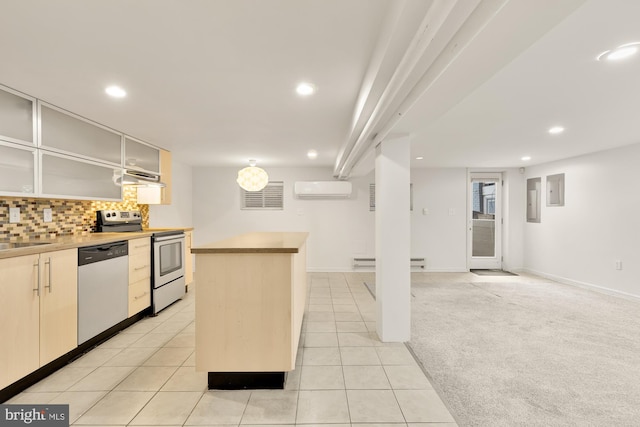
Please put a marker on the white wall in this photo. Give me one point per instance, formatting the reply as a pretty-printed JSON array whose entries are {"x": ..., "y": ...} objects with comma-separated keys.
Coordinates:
[
  {"x": 439, "y": 237},
  {"x": 580, "y": 242},
  {"x": 339, "y": 229},
  {"x": 180, "y": 212},
  {"x": 343, "y": 229},
  {"x": 514, "y": 200}
]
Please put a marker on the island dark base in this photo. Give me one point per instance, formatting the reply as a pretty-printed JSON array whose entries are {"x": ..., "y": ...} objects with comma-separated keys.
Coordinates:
[{"x": 246, "y": 380}]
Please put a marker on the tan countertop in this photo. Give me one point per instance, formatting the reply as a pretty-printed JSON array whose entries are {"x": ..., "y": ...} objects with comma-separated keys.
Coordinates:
[
  {"x": 77, "y": 241},
  {"x": 257, "y": 242},
  {"x": 71, "y": 242},
  {"x": 153, "y": 230}
]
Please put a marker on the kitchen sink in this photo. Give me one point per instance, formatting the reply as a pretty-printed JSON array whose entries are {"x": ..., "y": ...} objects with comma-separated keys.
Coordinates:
[{"x": 14, "y": 245}]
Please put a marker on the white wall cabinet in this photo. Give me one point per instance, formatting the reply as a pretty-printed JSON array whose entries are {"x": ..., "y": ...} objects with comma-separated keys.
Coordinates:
[
  {"x": 70, "y": 134},
  {"x": 17, "y": 113},
  {"x": 17, "y": 170},
  {"x": 48, "y": 152},
  {"x": 140, "y": 155},
  {"x": 41, "y": 319},
  {"x": 69, "y": 177}
]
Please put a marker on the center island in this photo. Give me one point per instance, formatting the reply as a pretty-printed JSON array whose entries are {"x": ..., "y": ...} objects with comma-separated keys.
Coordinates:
[{"x": 250, "y": 299}]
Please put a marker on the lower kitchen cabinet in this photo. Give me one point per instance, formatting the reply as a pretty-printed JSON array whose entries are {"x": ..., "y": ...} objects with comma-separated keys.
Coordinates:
[
  {"x": 19, "y": 317},
  {"x": 139, "y": 296},
  {"x": 139, "y": 275},
  {"x": 40, "y": 318},
  {"x": 58, "y": 304}
]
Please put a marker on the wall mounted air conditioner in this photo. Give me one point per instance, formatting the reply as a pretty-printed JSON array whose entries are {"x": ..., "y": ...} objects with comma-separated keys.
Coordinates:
[{"x": 322, "y": 189}]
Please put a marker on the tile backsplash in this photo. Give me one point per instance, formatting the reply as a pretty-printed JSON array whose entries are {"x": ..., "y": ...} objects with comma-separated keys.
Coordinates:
[{"x": 69, "y": 216}]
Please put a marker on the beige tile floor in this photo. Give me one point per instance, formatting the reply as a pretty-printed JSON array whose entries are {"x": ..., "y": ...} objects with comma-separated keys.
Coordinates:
[{"x": 145, "y": 375}]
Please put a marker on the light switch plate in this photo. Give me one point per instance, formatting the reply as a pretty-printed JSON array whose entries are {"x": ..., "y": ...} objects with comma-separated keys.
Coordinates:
[
  {"x": 14, "y": 215},
  {"x": 48, "y": 215}
]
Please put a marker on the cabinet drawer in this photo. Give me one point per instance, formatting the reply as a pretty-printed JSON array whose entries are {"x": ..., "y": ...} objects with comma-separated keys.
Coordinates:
[
  {"x": 140, "y": 246},
  {"x": 139, "y": 267},
  {"x": 139, "y": 296}
]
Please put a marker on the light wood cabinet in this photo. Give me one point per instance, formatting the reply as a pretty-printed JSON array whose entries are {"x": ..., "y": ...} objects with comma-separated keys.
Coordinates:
[
  {"x": 250, "y": 303},
  {"x": 40, "y": 314},
  {"x": 19, "y": 317},
  {"x": 139, "y": 275},
  {"x": 188, "y": 258},
  {"x": 165, "y": 173},
  {"x": 58, "y": 304}
]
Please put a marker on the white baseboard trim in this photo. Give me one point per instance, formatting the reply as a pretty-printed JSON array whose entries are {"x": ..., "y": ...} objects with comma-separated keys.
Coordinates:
[
  {"x": 373, "y": 270},
  {"x": 583, "y": 285}
]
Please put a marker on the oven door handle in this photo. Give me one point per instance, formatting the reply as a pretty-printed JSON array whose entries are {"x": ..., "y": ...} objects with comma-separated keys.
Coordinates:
[{"x": 164, "y": 239}]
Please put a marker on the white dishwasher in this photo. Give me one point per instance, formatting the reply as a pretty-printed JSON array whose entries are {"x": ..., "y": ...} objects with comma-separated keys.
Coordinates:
[{"x": 103, "y": 288}]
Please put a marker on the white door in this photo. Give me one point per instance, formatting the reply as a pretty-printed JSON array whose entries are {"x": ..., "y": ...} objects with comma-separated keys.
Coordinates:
[{"x": 485, "y": 221}]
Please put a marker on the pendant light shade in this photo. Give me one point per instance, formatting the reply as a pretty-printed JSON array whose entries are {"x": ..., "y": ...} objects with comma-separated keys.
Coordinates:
[{"x": 252, "y": 178}]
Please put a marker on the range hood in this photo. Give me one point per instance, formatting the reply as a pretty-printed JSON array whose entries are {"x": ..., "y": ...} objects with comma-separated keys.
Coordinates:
[{"x": 138, "y": 178}]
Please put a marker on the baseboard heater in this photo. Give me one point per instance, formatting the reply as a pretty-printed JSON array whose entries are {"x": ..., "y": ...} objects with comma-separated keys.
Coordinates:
[{"x": 371, "y": 262}]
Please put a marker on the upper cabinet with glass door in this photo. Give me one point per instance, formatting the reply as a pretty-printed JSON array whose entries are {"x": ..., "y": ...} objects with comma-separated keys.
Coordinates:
[
  {"x": 68, "y": 133},
  {"x": 17, "y": 113},
  {"x": 141, "y": 156},
  {"x": 17, "y": 170}
]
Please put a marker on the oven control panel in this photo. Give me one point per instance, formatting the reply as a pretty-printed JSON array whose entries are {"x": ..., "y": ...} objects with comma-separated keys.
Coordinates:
[
  {"x": 120, "y": 216},
  {"x": 118, "y": 221}
]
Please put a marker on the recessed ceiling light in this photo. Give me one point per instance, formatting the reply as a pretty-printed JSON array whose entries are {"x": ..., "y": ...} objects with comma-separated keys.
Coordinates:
[
  {"x": 419, "y": 158},
  {"x": 305, "y": 89},
  {"x": 312, "y": 154},
  {"x": 556, "y": 130},
  {"x": 525, "y": 158},
  {"x": 116, "y": 92},
  {"x": 621, "y": 52}
]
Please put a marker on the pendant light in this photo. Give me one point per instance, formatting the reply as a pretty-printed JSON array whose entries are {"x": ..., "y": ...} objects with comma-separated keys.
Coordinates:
[{"x": 252, "y": 178}]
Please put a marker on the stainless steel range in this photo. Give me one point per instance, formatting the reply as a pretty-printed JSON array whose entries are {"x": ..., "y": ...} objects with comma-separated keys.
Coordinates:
[{"x": 167, "y": 255}]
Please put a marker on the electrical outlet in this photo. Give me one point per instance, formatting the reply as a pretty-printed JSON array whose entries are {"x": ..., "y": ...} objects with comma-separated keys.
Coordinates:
[
  {"x": 14, "y": 215},
  {"x": 618, "y": 265},
  {"x": 452, "y": 211},
  {"x": 48, "y": 215},
  {"x": 425, "y": 211}
]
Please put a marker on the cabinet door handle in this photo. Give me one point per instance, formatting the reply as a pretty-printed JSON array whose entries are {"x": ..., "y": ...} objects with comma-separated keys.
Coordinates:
[
  {"x": 141, "y": 295},
  {"x": 141, "y": 246},
  {"x": 37, "y": 288},
  {"x": 141, "y": 268},
  {"x": 50, "y": 286}
]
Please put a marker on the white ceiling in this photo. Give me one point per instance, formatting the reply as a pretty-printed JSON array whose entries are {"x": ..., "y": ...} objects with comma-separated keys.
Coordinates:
[{"x": 213, "y": 80}]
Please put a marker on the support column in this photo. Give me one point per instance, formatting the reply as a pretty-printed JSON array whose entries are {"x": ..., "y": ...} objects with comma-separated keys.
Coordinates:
[{"x": 393, "y": 240}]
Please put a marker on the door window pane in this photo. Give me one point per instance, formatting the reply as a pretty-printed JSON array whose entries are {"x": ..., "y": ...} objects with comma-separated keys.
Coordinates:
[{"x": 484, "y": 219}]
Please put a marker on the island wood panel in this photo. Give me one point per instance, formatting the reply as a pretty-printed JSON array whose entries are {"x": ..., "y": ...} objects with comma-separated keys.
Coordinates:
[
  {"x": 299, "y": 296},
  {"x": 249, "y": 308}
]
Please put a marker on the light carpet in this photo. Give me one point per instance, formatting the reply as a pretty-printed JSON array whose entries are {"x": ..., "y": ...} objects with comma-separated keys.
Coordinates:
[{"x": 528, "y": 352}]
